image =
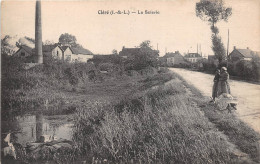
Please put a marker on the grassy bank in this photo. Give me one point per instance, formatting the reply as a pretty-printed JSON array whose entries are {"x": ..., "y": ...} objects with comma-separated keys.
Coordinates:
[
  {"x": 61, "y": 88},
  {"x": 238, "y": 132},
  {"x": 161, "y": 126}
]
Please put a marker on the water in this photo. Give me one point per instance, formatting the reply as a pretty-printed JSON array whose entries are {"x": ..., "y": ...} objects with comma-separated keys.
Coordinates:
[{"x": 29, "y": 128}]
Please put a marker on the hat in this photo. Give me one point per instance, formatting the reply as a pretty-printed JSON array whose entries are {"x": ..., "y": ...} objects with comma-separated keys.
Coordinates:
[{"x": 224, "y": 68}]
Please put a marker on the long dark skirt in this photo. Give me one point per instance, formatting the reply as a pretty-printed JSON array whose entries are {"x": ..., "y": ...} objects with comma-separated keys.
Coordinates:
[
  {"x": 215, "y": 90},
  {"x": 223, "y": 87}
]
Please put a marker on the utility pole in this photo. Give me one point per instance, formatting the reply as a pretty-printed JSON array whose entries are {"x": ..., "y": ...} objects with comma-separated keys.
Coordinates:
[
  {"x": 227, "y": 47},
  {"x": 200, "y": 50}
]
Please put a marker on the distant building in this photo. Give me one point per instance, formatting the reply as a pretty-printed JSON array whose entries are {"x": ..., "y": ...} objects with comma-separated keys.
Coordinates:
[
  {"x": 242, "y": 54},
  {"x": 193, "y": 57},
  {"x": 53, "y": 50},
  {"x": 80, "y": 54},
  {"x": 172, "y": 59},
  {"x": 66, "y": 53},
  {"x": 25, "y": 53},
  {"x": 128, "y": 52}
]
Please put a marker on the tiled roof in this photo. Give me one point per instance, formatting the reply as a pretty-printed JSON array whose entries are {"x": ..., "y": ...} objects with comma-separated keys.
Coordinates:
[
  {"x": 129, "y": 51},
  {"x": 132, "y": 51},
  {"x": 192, "y": 55},
  {"x": 49, "y": 48},
  {"x": 248, "y": 53},
  {"x": 81, "y": 50},
  {"x": 27, "y": 49},
  {"x": 64, "y": 47},
  {"x": 171, "y": 54}
]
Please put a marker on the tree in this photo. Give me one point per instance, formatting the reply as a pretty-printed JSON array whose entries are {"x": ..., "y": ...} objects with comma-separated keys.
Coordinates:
[
  {"x": 214, "y": 11},
  {"x": 218, "y": 48},
  {"x": 48, "y": 42},
  {"x": 145, "y": 44},
  {"x": 68, "y": 39},
  {"x": 114, "y": 52},
  {"x": 6, "y": 48},
  {"x": 143, "y": 58}
]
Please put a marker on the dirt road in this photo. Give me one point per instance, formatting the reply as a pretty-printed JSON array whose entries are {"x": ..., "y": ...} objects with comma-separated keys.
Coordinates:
[{"x": 248, "y": 94}]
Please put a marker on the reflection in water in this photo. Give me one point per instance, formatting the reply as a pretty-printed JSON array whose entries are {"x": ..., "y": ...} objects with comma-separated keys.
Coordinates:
[
  {"x": 29, "y": 128},
  {"x": 39, "y": 126}
]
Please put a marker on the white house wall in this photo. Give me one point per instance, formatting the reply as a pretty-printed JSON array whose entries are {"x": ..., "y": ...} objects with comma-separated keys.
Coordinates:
[
  {"x": 57, "y": 53},
  {"x": 68, "y": 55}
]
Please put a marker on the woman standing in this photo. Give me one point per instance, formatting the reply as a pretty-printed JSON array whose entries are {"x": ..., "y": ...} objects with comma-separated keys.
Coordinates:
[
  {"x": 224, "y": 88},
  {"x": 215, "y": 86},
  {"x": 223, "y": 85}
]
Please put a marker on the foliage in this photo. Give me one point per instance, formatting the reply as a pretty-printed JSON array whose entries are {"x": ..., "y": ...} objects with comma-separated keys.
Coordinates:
[
  {"x": 160, "y": 127},
  {"x": 209, "y": 67},
  {"x": 48, "y": 42},
  {"x": 218, "y": 48},
  {"x": 212, "y": 11},
  {"x": 6, "y": 48},
  {"x": 68, "y": 39},
  {"x": 144, "y": 58},
  {"x": 247, "y": 70},
  {"x": 145, "y": 44},
  {"x": 99, "y": 59},
  {"x": 114, "y": 52}
]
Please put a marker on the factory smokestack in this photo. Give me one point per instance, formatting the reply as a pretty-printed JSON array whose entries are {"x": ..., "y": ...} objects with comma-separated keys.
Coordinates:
[{"x": 38, "y": 33}]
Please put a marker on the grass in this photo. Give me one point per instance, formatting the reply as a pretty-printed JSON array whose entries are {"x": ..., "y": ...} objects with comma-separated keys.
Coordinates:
[
  {"x": 54, "y": 94},
  {"x": 161, "y": 126},
  {"x": 133, "y": 119}
]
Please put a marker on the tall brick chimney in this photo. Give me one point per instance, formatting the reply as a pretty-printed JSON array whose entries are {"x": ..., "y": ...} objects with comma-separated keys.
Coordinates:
[{"x": 38, "y": 33}]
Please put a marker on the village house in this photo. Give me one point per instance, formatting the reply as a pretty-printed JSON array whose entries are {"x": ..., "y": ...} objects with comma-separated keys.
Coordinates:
[
  {"x": 66, "y": 53},
  {"x": 80, "y": 54},
  {"x": 242, "y": 54},
  {"x": 171, "y": 59},
  {"x": 25, "y": 52},
  {"x": 53, "y": 50},
  {"x": 193, "y": 57}
]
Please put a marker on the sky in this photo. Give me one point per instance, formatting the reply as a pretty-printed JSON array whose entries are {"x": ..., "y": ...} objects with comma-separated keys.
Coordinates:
[{"x": 176, "y": 28}]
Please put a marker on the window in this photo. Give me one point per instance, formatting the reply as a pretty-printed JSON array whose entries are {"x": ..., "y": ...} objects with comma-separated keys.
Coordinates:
[
  {"x": 57, "y": 53},
  {"x": 22, "y": 54}
]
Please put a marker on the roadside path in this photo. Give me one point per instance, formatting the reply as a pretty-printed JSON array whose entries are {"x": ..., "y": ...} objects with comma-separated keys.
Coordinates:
[{"x": 248, "y": 94}]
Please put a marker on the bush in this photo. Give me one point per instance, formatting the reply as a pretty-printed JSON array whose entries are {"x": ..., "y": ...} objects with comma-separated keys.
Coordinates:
[{"x": 244, "y": 69}]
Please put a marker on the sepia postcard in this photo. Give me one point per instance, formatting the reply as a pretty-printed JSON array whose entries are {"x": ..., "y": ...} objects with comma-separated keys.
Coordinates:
[{"x": 130, "y": 81}]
